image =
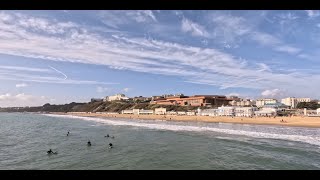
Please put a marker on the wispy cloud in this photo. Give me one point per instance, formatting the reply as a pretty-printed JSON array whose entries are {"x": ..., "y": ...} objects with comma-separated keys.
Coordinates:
[
  {"x": 102, "y": 89},
  {"x": 21, "y": 85},
  {"x": 126, "y": 89},
  {"x": 193, "y": 28},
  {"x": 115, "y": 19},
  {"x": 233, "y": 29},
  {"x": 124, "y": 52},
  {"x": 19, "y": 68}
]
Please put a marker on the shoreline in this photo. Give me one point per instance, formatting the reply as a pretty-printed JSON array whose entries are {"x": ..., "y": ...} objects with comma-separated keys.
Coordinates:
[{"x": 310, "y": 122}]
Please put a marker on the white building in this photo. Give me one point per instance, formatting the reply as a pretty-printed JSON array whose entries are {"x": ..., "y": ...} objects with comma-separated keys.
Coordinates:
[
  {"x": 116, "y": 97},
  {"x": 181, "y": 113},
  {"x": 293, "y": 102},
  {"x": 241, "y": 102},
  {"x": 318, "y": 111},
  {"x": 266, "y": 112},
  {"x": 127, "y": 111},
  {"x": 303, "y": 100},
  {"x": 262, "y": 102},
  {"x": 137, "y": 111},
  {"x": 191, "y": 113},
  {"x": 245, "y": 111},
  {"x": 160, "y": 111},
  {"x": 226, "y": 111},
  {"x": 208, "y": 112},
  {"x": 142, "y": 111}
]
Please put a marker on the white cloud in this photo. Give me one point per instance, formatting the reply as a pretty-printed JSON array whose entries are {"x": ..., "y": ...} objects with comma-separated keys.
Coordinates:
[
  {"x": 21, "y": 100},
  {"x": 273, "y": 93},
  {"x": 21, "y": 85},
  {"x": 102, "y": 89},
  {"x": 126, "y": 89},
  {"x": 194, "y": 28},
  {"x": 233, "y": 94},
  {"x": 312, "y": 13}
]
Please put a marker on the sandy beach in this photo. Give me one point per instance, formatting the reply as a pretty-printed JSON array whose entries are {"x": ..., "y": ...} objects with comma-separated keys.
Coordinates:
[{"x": 288, "y": 121}]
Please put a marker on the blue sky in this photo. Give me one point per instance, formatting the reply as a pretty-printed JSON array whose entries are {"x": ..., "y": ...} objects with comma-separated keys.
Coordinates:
[{"x": 65, "y": 56}]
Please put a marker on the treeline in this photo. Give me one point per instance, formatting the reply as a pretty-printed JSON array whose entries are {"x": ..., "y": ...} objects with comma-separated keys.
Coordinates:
[{"x": 313, "y": 105}]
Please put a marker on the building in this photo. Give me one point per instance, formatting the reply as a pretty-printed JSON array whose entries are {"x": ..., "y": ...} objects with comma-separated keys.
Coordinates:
[
  {"x": 290, "y": 101},
  {"x": 266, "y": 112},
  {"x": 262, "y": 102},
  {"x": 160, "y": 111},
  {"x": 318, "y": 111},
  {"x": 208, "y": 112},
  {"x": 96, "y": 99},
  {"x": 196, "y": 100},
  {"x": 293, "y": 102},
  {"x": 127, "y": 111},
  {"x": 226, "y": 111},
  {"x": 116, "y": 97},
  {"x": 245, "y": 111},
  {"x": 191, "y": 113},
  {"x": 142, "y": 112},
  {"x": 241, "y": 102},
  {"x": 137, "y": 111}
]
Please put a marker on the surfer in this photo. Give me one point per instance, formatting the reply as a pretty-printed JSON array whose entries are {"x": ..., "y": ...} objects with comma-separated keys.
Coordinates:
[{"x": 49, "y": 152}]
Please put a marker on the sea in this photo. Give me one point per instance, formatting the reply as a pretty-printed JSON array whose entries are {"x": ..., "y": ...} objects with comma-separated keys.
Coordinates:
[{"x": 25, "y": 139}]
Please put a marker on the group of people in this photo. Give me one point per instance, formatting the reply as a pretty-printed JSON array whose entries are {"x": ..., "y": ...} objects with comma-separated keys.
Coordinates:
[
  {"x": 282, "y": 121},
  {"x": 88, "y": 144}
]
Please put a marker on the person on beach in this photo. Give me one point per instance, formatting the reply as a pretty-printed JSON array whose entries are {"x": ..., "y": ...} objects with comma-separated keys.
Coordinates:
[{"x": 89, "y": 143}]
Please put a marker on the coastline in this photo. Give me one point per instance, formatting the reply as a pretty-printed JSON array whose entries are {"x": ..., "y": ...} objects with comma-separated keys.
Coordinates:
[{"x": 310, "y": 122}]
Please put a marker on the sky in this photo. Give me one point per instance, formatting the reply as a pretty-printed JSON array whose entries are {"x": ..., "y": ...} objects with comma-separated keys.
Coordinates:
[{"x": 62, "y": 56}]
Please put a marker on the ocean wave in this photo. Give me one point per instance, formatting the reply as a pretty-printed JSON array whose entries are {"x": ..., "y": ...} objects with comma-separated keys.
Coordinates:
[{"x": 314, "y": 140}]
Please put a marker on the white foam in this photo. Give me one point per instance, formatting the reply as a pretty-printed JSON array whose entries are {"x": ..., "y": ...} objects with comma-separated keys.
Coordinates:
[{"x": 314, "y": 140}]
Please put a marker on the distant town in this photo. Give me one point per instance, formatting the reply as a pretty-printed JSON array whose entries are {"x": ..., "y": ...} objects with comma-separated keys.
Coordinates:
[
  {"x": 220, "y": 105},
  {"x": 180, "y": 104}
]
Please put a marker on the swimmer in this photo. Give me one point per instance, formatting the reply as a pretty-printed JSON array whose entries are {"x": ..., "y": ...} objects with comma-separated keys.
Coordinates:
[
  {"x": 110, "y": 145},
  {"x": 89, "y": 143},
  {"x": 68, "y": 133}
]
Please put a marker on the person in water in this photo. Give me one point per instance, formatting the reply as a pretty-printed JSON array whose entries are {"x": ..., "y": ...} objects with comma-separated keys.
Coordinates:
[
  {"x": 50, "y": 152},
  {"x": 110, "y": 145},
  {"x": 68, "y": 133},
  {"x": 107, "y": 136},
  {"x": 112, "y": 137},
  {"x": 89, "y": 143}
]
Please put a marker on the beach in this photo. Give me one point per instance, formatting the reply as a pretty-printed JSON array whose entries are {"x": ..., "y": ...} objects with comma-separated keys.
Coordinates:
[{"x": 295, "y": 121}]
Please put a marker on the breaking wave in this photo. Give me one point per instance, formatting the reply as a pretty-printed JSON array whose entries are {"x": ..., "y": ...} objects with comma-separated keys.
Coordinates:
[{"x": 313, "y": 139}]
